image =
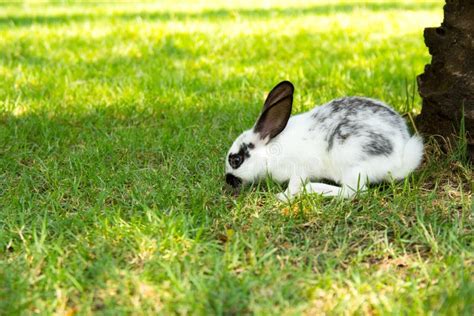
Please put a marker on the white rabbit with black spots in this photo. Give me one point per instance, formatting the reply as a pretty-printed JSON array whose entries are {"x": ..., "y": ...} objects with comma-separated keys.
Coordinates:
[{"x": 351, "y": 141}]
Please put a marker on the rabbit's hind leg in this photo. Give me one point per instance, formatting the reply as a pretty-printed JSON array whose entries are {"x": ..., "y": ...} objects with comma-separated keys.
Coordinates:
[{"x": 352, "y": 183}]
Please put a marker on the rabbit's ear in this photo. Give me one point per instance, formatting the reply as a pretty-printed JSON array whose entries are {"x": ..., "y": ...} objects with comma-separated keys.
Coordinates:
[{"x": 276, "y": 111}]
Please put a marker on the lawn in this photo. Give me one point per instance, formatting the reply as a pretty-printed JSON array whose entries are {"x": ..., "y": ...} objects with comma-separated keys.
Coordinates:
[{"x": 114, "y": 124}]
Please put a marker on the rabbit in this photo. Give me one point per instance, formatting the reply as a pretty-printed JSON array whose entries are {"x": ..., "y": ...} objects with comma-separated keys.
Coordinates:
[{"x": 352, "y": 141}]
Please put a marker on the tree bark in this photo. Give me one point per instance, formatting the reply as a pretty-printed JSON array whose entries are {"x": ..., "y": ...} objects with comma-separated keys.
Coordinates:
[{"x": 447, "y": 84}]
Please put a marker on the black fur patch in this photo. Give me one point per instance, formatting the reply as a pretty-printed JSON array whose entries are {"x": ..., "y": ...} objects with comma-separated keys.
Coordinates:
[
  {"x": 354, "y": 104},
  {"x": 320, "y": 117},
  {"x": 378, "y": 145},
  {"x": 344, "y": 118},
  {"x": 236, "y": 160},
  {"x": 343, "y": 131},
  {"x": 244, "y": 150}
]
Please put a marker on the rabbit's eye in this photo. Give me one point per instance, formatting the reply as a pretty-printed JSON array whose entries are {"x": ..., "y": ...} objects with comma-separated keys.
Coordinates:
[{"x": 235, "y": 160}]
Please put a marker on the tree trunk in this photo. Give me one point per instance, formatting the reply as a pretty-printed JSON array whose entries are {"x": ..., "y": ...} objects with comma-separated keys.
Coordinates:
[{"x": 447, "y": 85}]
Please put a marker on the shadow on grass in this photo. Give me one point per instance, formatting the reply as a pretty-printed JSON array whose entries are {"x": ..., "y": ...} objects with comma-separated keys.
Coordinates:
[{"x": 219, "y": 13}]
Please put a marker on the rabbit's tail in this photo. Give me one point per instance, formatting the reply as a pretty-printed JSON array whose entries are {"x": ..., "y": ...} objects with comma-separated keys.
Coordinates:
[{"x": 411, "y": 159}]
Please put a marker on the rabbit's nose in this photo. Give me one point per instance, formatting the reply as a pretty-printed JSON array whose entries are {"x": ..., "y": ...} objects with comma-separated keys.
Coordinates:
[{"x": 233, "y": 180}]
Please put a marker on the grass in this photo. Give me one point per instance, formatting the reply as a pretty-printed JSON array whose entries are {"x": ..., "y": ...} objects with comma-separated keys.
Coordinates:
[{"x": 114, "y": 123}]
